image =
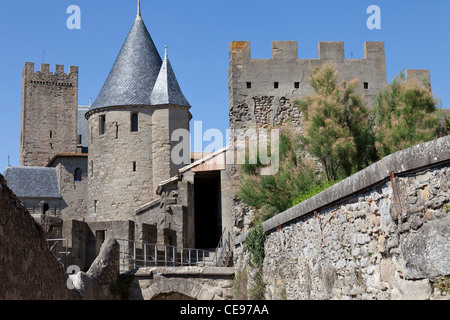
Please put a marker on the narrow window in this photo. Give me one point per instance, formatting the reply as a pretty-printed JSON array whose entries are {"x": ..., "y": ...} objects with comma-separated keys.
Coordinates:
[
  {"x": 275, "y": 85},
  {"x": 92, "y": 168},
  {"x": 51, "y": 134},
  {"x": 249, "y": 85},
  {"x": 296, "y": 85},
  {"x": 366, "y": 85},
  {"x": 78, "y": 174},
  {"x": 95, "y": 206},
  {"x": 134, "y": 122},
  {"x": 80, "y": 139},
  {"x": 102, "y": 122},
  {"x": 134, "y": 166}
]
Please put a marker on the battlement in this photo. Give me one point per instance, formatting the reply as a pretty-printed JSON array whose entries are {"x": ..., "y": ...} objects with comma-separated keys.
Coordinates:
[
  {"x": 261, "y": 90},
  {"x": 420, "y": 76},
  {"x": 45, "y": 69},
  {"x": 288, "y": 50}
]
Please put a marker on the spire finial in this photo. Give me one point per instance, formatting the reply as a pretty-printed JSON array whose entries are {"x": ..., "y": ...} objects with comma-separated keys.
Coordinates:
[
  {"x": 166, "y": 56},
  {"x": 139, "y": 9}
]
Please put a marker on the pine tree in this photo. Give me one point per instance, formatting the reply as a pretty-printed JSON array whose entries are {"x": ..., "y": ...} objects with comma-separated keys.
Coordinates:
[
  {"x": 338, "y": 127},
  {"x": 406, "y": 114}
]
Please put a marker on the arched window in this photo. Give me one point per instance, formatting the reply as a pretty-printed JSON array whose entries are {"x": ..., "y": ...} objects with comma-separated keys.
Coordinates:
[{"x": 78, "y": 175}]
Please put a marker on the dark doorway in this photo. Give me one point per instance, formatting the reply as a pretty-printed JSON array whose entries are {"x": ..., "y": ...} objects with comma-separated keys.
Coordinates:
[{"x": 208, "y": 213}]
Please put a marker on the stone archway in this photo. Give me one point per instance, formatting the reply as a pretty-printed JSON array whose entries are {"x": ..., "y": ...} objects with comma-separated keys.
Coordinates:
[
  {"x": 182, "y": 283},
  {"x": 172, "y": 296}
]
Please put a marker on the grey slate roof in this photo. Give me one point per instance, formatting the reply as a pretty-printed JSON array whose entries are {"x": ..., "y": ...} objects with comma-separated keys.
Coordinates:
[
  {"x": 83, "y": 126},
  {"x": 167, "y": 90},
  {"x": 33, "y": 182},
  {"x": 134, "y": 72}
]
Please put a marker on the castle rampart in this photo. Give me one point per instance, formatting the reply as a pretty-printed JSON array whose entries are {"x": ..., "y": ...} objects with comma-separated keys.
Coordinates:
[
  {"x": 49, "y": 113},
  {"x": 261, "y": 90}
]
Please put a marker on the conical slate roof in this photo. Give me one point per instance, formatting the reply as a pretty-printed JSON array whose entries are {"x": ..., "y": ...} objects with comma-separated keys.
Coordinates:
[
  {"x": 134, "y": 72},
  {"x": 167, "y": 90}
]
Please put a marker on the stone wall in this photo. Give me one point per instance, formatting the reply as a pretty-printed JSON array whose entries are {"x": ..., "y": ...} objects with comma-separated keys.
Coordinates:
[
  {"x": 190, "y": 283},
  {"x": 125, "y": 167},
  {"x": 375, "y": 235},
  {"x": 260, "y": 90},
  {"x": 73, "y": 193},
  {"x": 49, "y": 113},
  {"x": 36, "y": 205},
  {"x": 96, "y": 283},
  {"x": 29, "y": 271}
]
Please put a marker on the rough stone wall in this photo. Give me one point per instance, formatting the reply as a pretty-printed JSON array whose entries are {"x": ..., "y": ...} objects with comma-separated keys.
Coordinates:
[
  {"x": 29, "y": 271},
  {"x": 114, "y": 189},
  {"x": 195, "y": 283},
  {"x": 73, "y": 193},
  {"x": 36, "y": 205},
  {"x": 172, "y": 216},
  {"x": 95, "y": 284},
  {"x": 255, "y": 100},
  {"x": 386, "y": 241},
  {"x": 49, "y": 104}
]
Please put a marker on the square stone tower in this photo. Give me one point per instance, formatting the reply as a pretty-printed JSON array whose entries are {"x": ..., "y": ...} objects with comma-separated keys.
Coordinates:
[{"x": 49, "y": 113}]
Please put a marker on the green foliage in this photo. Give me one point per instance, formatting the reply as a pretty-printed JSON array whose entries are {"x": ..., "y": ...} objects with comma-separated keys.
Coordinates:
[
  {"x": 272, "y": 194},
  {"x": 257, "y": 289},
  {"x": 443, "y": 285},
  {"x": 338, "y": 128},
  {"x": 254, "y": 245},
  {"x": 405, "y": 115},
  {"x": 446, "y": 126},
  {"x": 121, "y": 287},
  {"x": 240, "y": 282},
  {"x": 313, "y": 191}
]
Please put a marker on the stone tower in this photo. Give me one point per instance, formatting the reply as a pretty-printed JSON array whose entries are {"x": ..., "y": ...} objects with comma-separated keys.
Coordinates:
[
  {"x": 261, "y": 91},
  {"x": 49, "y": 113},
  {"x": 130, "y": 127}
]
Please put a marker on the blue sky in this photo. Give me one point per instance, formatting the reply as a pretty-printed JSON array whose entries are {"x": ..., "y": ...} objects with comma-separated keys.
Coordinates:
[{"x": 198, "y": 33}]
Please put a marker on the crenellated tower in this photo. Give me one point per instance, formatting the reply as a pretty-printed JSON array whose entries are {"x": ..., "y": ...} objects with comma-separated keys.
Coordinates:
[
  {"x": 49, "y": 113},
  {"x": 261, "y": 90}
]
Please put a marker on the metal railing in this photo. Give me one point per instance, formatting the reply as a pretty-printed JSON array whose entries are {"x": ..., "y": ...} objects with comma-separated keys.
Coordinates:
[
  {"x": 135, "y": 254},
  {"x": 223, "y": 248},
  {"x": 60, "y": 249}
]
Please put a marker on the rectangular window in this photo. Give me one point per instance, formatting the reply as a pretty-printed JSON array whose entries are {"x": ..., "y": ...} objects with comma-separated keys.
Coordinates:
[
  {"x": 249, "y": 85},
  {"x": 275, "y": 85},
  {"x": 366, "y": 85},
  {"x": 134, "y": 122},
  {"x": 134, "y": 166},
  {"x": 296, "y": 85},
  {"x": 80, "y": 139},
  {"x": 51, "y": 134},
  {"x": 102, "y": 124}
]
